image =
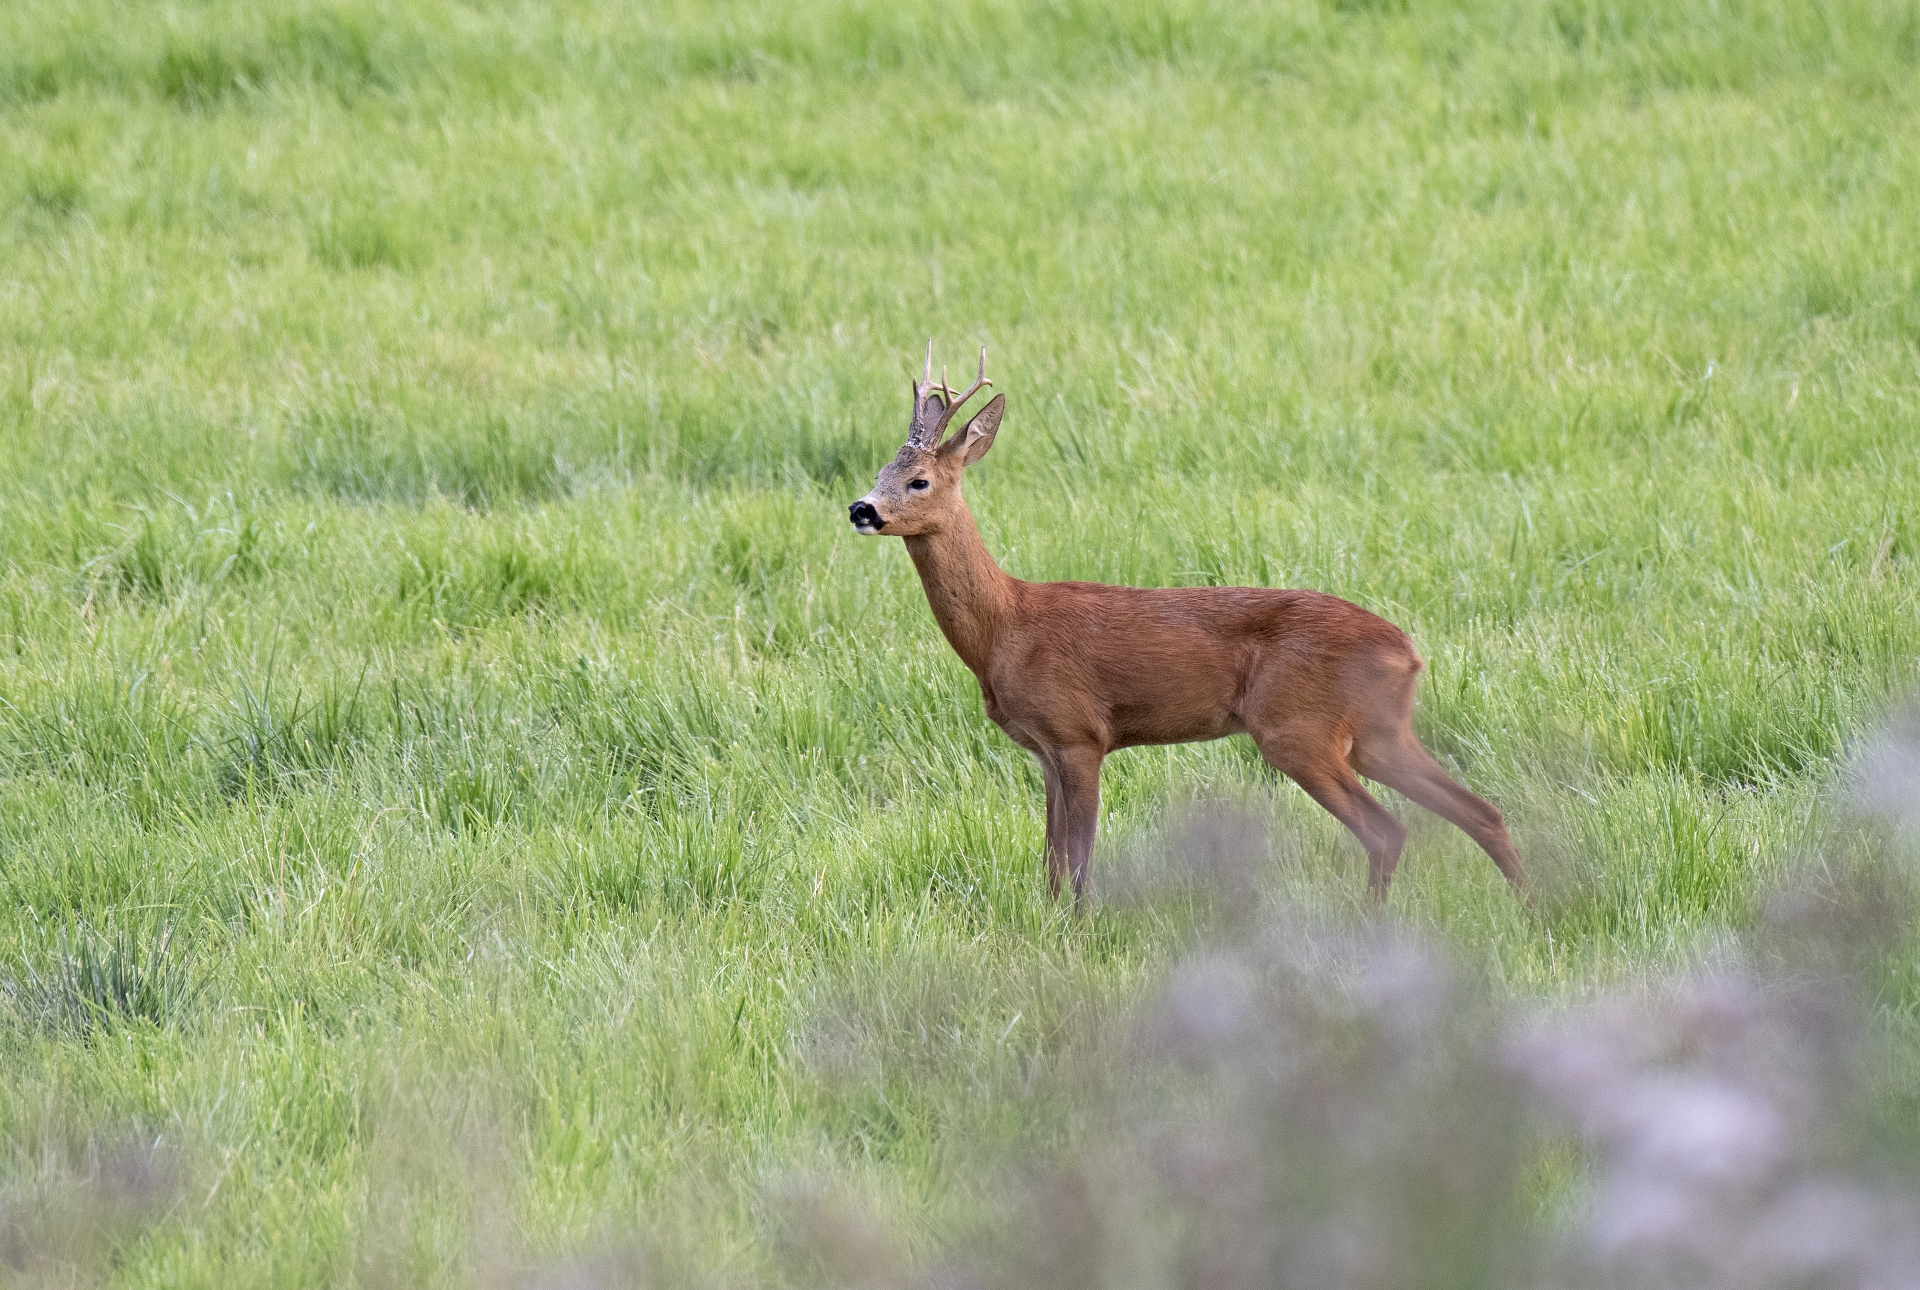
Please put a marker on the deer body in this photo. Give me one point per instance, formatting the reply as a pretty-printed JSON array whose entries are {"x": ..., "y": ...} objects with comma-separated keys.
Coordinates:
[{"x": 1072, "y": 671}]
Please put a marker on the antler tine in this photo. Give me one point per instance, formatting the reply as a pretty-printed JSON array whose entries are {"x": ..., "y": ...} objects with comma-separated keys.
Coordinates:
[{"x": 954, "y": 403}]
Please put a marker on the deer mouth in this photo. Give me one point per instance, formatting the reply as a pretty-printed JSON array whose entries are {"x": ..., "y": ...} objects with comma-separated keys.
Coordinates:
[{"x": 866, "y": 519}]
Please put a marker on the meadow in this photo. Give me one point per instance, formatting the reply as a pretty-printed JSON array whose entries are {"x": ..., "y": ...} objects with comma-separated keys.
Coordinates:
[{"x": 442, "y": 700}]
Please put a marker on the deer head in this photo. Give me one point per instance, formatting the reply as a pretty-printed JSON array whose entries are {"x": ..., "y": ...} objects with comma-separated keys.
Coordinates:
[{"x": 919, "y": 490}]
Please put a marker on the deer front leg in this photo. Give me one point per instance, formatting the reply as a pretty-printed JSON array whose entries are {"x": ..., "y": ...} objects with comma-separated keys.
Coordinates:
[{"x": 1073, "y": 814}]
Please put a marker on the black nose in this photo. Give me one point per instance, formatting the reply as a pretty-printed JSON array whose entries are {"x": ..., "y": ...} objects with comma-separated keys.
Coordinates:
[{"x": 862, "y": 513}]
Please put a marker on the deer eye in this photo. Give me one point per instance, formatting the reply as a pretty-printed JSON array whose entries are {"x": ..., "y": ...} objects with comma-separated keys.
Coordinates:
[{"x": 919, "y": 485}]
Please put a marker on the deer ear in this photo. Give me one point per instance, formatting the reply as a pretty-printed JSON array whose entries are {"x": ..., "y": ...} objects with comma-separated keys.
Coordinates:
[{"x": 971, "y": 444}]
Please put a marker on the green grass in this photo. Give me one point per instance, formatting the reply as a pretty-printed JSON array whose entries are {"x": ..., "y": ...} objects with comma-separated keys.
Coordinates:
[{"x": 439, "y": 687}]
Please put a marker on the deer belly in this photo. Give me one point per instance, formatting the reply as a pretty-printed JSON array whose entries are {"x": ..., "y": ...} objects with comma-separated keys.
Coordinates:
[
  {"x": 1112, "y": 702},
  {"x": 1148, "y": 723},
  {"x": 1173, "y": 705}
]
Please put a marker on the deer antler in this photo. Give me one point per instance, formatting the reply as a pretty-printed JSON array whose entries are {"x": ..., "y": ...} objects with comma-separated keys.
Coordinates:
[
  {"x": 954, "y": 404},
  {"x": 922, "y": 431},
  {"x": 934, "y": 402}
]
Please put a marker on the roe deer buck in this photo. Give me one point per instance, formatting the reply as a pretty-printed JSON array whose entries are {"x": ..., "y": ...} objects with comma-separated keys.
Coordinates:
[{"x": 1073, "y": 670}]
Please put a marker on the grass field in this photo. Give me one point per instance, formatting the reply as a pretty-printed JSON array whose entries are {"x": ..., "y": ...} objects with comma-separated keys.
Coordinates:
[{"x": 439, "y": 687}]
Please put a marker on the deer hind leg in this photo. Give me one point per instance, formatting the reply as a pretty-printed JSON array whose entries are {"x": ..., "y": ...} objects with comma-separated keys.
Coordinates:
[
  {"x": 1405, "y": 766},
  {"x": 1073, "y": 814},
  {"x": 1319, "y": 766}
]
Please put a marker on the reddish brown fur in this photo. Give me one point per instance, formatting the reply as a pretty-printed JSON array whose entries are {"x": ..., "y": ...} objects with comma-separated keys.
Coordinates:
[{"x": 1073, "y": 670}]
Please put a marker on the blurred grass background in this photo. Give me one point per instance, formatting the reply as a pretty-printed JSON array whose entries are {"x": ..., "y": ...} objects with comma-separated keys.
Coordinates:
[{"x": 438, "y": 683}]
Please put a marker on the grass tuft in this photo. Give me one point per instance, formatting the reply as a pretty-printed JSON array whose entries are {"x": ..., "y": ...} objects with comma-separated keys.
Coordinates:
[
  {"x": 271, "y": 742},
  {"x": 368, "y": 456},
  {"x": 85, "y": 981}
]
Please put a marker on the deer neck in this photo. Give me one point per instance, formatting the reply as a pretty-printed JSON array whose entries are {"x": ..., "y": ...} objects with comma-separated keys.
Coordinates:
[{"x": 970, "y": 595}]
